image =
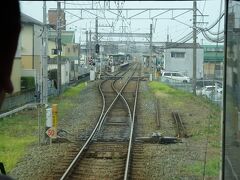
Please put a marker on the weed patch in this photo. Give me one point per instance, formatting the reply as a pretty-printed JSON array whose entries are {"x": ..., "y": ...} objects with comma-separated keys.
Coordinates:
[{"x": 21, "y": 130}]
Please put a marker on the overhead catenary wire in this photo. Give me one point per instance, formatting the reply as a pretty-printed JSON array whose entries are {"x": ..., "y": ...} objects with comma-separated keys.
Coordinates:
[
  {"x": 219, "y": 40},
  {"x": 219, "y": 34},
  {"x": 208, "y": 33},
  {"x": 103, "y": 12},
  {"x": 76, "y": 3}
]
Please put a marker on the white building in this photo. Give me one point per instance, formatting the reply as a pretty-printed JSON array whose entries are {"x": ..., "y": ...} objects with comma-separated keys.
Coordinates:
[
  {"x": 65, "y": 71},
  {"x": 179, "y": 57}
]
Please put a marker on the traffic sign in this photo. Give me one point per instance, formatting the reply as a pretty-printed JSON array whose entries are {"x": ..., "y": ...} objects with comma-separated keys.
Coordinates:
[{"x": 52, "y": 132}]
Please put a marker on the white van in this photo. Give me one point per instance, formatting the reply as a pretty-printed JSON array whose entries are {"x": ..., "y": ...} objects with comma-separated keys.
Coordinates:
[{"x": 176, "y": 76}]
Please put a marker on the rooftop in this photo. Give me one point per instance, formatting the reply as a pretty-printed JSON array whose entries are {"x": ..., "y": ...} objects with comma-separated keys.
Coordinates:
[
  {"x": 169, "y": 45},
  {"x": 66, "y": 36},
  {"x": 29, "y": 20}
]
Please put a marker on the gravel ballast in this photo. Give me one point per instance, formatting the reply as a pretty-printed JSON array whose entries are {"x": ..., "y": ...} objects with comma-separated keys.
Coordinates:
[{"x": 162, "y": 161}]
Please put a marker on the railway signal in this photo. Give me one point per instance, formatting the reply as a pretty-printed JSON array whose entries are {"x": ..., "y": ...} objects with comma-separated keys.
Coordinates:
[{"x": 97, "y": 47}]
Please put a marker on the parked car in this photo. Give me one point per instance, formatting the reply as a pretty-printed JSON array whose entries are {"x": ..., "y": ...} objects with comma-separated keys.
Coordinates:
[
  {"x": 220, "y": 90},
  {"x": 200, "y": 83},
  {"x": 176, "y": 76},
  {"x": 211, "y": 91}
]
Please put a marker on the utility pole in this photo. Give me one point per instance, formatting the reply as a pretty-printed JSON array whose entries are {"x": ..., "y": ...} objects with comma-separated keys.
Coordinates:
[
  {"x": 87, "y": 48},
  {"x": 151, "y": 63},
  {"x": 96, "y": 29},
  {"x": 44, "y": 92},
  {"x": 79, "y": 59},
  {"x": 194, "y": 45},
  {"x": 97, "y": 53},
  {"x": 59, "y": 47},
  {"x": 90, "y": 43}
]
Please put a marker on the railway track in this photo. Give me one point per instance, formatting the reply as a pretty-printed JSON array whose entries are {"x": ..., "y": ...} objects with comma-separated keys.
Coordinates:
[
  {"x": 180, "y": 128},
  {"x": 107, "y": 152}
]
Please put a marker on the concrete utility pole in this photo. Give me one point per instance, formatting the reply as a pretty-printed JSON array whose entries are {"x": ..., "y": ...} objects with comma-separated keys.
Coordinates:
[
  {"x": 87, "y": 48},
  {"x": 96, "y": 30},
  {"x": 151, "y": 64},
  {"x": 44, "y": 92},
  {"x": 97, "y": 53},
  {"x": 59, "y": 47},
  {"x": 194, "y": 45},
  {"x": 90, "y": 43}
]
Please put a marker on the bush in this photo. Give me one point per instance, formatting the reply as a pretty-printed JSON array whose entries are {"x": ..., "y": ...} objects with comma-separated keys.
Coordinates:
[{"x": 27, "y": 83}]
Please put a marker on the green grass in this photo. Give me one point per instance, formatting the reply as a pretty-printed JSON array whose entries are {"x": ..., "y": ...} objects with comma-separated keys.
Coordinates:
[
  {"x": 74, "y": 90},
  {"x": 21, "y": 130},
  {"x": 157, "y": 86},
  {"x": 178, "y": 99},
  {"x": 66, "y": 100},
  {"x": 16, "y": 133},
  {"x": 197, "y": 168},
  {"x": 12, "y": 149}
]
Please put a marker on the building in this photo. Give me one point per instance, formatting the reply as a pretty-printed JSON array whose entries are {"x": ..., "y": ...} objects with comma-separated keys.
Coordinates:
[
  {"x": 65, "y": 70},
  {"x": 16, "y": 71},
  {"x": 66, "y": 36},
  {"x": 52, "y": 48},
  {"x": 179, "y": 57},
  {"x": 213, "y": 61},
  {"x": 31, "y": 43},
  {"x": 70, "y": 53},
  {"x": 69, "y": 47},
  {"x": 52, "y": 18},
  {"x": 72, "y": 50}
]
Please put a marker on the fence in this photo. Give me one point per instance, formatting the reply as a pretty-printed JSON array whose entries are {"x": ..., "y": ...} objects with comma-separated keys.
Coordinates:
[
  {"x": 214, "y": 97},
  {"x": 28, "y": 96},
  {"x": 18, "y": 100}
]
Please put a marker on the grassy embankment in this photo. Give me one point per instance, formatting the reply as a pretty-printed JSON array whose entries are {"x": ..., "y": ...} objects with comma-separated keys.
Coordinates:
[
  {"x": 205, "y": 126},
  {"x": 21, "y": 130}
]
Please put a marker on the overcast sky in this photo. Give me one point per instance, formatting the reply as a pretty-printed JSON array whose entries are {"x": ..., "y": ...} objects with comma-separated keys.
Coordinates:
[{"x": 175, "y": 28}]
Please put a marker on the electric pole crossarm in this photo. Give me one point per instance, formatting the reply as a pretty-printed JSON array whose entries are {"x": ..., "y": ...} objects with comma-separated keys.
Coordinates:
[
  {"x": 181, "y": 14},
  {"x": 138, "y": 14},
  {"x": 125, "y": 9},
  {"x": 124, "y": 34},
  {"x": 160, "y": 14}
]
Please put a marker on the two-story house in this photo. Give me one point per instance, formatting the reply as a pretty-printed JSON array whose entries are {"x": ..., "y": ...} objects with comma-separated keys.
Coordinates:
[
  {"x": 17, "y": 70},
  {"x": 70, "y": 54},
  {"x": 31, "y": 45}
]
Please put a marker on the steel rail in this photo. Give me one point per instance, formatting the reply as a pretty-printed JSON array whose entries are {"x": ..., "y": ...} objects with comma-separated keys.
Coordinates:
[
  {"x": 125, "y": 101},
  {"x": 131, "y": 134},
  {"x": 99, "y": 124},
  {"x": 179, "y": 124},
  {"x": 129, "y": 110},
  {"x": 176, "y": 122},
  {"x": 97, "y": 127},
  {"x": 119, "y": 93},
  {"x": 182, "y": 126},
  {"x": 66, "y": 173},
  {"x": 157, "y": 113}
]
